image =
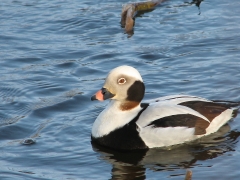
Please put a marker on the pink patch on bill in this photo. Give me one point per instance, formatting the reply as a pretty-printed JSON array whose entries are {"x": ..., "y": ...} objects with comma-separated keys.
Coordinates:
[{"x": 99, "y": 95}]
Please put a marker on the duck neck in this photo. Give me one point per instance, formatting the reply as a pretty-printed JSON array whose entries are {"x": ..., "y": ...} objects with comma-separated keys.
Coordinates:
[
  {"x": 114, "y": 116},
  {"x": 128, "y": 105}
]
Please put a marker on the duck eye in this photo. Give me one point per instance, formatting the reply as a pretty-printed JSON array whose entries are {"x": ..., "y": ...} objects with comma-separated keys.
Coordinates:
[{"x": 122, "y": 81}]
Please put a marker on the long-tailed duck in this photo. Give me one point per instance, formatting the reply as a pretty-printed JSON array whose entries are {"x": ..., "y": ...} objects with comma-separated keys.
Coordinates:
[{"x": 128, "y": 124}]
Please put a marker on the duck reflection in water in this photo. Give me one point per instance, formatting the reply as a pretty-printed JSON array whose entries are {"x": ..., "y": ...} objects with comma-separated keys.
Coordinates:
[{"x": 133, "y": 164}]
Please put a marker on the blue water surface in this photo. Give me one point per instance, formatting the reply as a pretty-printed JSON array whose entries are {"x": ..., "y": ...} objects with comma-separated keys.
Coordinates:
[{"x": 54, "y": 55}]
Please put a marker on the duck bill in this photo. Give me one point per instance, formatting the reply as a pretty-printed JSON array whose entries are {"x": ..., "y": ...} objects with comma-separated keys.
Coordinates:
[{"x": 102, "y": 95}]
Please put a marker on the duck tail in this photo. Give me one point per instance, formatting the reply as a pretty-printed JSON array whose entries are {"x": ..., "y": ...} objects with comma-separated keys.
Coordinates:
[
  {"x": 234, "y": 105},
  {"x": 230, "y": 104}
]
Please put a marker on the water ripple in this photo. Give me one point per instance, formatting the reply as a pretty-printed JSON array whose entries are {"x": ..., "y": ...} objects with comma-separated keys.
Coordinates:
[{"x": 56, "y": 54}]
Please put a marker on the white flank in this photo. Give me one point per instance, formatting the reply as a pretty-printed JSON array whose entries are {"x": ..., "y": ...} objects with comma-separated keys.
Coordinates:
[{"x": 160, "y": 137}]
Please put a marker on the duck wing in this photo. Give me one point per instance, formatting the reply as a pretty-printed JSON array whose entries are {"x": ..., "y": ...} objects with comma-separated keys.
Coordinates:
[{"x": 181, "y": 118}]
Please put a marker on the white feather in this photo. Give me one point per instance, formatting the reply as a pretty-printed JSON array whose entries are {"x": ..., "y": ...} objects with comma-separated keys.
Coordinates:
[
  {"x": 112, "y": 118},
  {"x": 177, "y": 99},
  {"x": 219, "y": 121},
  {"x": 127, "y": 70},
  {"x": 159, "y": 110},
  {"x": 159, "y": 137}
]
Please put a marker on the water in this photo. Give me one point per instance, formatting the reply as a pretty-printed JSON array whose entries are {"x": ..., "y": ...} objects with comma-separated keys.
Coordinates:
[{"x": 55, "y": 54}]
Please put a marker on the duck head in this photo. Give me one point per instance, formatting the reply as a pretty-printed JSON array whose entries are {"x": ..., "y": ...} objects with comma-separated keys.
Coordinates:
[{"x": 123, "y": 84}]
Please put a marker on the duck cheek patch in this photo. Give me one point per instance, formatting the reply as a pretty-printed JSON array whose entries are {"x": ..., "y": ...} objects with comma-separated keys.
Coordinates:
[{"x": 136, "y": 91}]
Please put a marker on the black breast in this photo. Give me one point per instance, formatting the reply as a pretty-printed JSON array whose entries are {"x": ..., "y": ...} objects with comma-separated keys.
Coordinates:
[{"x": 124, "y": 138}]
